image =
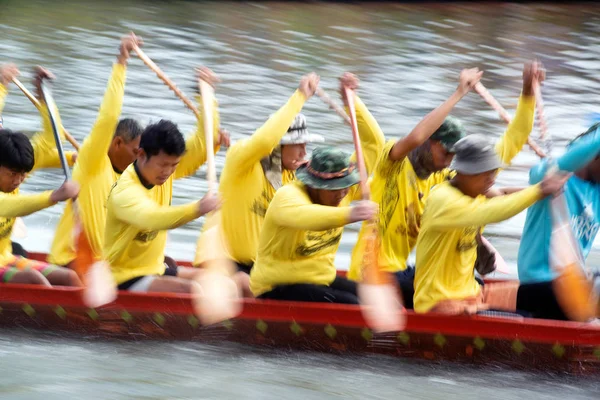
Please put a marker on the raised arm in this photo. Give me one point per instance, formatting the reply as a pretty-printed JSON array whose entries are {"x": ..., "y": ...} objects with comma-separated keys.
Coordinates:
[
  {"x": 95, "y": 147},
  {"x": 432, "y": 121},
  {"x": 7, "y": 73},
  {"x": 250, "y": 151},
  {"x": 371, "y": 136},
  {"x": 517, "y": 133}
]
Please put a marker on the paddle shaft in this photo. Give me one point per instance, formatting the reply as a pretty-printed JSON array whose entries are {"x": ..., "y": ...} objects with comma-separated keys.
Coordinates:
[
  {"x": 487, "y": 96},
  {"x": 163, "y": 77},
  {"x": 357, "y": 148},
  {"x": 333, "y": 105},
  {"x": 36, "y": 103}
]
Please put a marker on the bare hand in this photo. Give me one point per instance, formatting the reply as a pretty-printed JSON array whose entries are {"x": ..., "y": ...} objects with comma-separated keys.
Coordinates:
[
  {"x": 39, "y": 74},
  {"x": 553, "y": 183},
  {"x": 468, "y": 79},
  {"x": 208, "y": 203},
  {"x": 128, "y": 43},
  {"x": 532, "y": 71},
  {"x": 207, "y": 75},
  {"x": 363, "y": 210},
  {"x": 7, "y": 73},
  {"x": 224, "y": 138},
  {"x": 348, "y": 81},
  {"x": 68, "y": 190},
  {"x": 308, "y": 85}
]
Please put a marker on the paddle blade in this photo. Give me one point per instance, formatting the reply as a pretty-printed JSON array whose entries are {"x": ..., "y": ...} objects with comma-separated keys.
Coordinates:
[
  {"x": 99, "y": 285},
  {"x": 378, "y": 292},
  {"x": 19, "y": 230},
  {"x": 216, "y": 297},
  {"x": 573, "y": 289}
]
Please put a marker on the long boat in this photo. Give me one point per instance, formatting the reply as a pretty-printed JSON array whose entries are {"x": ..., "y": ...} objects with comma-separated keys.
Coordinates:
[{"x": 333, "y": 328}]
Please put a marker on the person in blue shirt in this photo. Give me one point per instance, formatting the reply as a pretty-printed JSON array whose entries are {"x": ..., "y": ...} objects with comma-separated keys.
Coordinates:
[{"x": 582, "y": 193}]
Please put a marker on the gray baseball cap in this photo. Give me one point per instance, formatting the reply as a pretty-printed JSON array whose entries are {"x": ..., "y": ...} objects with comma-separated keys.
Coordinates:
[{"x": 474, "y": 155}]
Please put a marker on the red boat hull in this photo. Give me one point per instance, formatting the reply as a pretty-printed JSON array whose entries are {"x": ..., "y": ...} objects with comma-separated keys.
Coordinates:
[{"x": 531, "y": 344}]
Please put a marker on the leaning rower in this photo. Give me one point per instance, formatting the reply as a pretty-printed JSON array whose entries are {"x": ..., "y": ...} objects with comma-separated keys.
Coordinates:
[
  {"x": 411, "y": 166},
  {"x": 302, "y": 231},
  {"x": 454, "y": 217},
  {"x": 17, "y": 157},
  {"x": 139, "y": 212}
]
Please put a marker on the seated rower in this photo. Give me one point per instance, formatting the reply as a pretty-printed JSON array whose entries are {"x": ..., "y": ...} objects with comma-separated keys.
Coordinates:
[
  {"x": 582, "y": 193},
  {"x": 45, "y": 153},
  {"x": 302, "y": 231},
  {"x": 255, "y": 168},
  {"x": 16, "y": 161},
  {"x": 139, "y": 213},
  {"x": 454, "y": 216},
  {"x": 412, "y": 165}
]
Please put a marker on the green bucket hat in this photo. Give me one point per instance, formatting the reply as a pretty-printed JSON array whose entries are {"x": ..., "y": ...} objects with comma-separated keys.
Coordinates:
[
  {"x": 330, "y": 169},
  {"x": 450, "y": 132}
]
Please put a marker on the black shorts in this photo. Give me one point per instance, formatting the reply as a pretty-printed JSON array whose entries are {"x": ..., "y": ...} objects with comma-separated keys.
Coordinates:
[
  {"x": 341, "y": 290},
  {"x": 169, "y": 271},
  {"x": 539, "y": 300},
  {"x": 244, "y": 267}
]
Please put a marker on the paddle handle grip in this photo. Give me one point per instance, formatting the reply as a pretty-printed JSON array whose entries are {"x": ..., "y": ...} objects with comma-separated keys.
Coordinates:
[
  {"x": 163, "y": 77},
  {"x": 333, "y": 105},
  {"x": 357, "y": 147},
  {"x": 36, "y": 103},
  {"x": 487, "y": 96}
]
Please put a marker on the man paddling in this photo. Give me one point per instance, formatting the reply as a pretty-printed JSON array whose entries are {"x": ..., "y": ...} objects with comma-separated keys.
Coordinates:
[
  {"x": 582, "y": 193},
  {"x": 17, "y": 159},
  {"x": 255, "y": 168},
  {"x": 302, "y": 231},
  {"x": 454, "y": 216},
  {"x": 409, "y": 167}
]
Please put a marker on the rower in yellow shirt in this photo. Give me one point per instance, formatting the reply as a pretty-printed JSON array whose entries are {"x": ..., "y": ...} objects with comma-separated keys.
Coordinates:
[
  {"x": 411, "y": 166},
  {"x": 44, "y": 147},
  {"x": 255, "y": 168},
  {"x": 452, "y": 222},
  {"x": 139, "y": 212},
  {"x": 17, "y": 158},
  {"x": 302, "y": 231}
]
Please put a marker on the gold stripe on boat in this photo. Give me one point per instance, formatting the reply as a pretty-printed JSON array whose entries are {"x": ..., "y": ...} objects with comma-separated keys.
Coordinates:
[
  {"x": 193, "y": 321},
  {"x": 296, "y": 328},
  {"x": 60, "y": 312},
  {"x": 126, "y": 316},
  {"x": 159, "y": 319},
  {"x": 558, "y": 350},
  {"x": 228, "y": 324},
  {"x": 93, "y": 314},
  {"x": 261, "y": 326},
  {"x": 403, "y": 338},
  {"x": 366, "y": 334},
  {"x": 28, "y": 310},
  {"x": 330, "y": 331},
  {"x": 439, "y": 340},
  {"x": 518, "y": 346},
  {"x": 479, "y": 343}
]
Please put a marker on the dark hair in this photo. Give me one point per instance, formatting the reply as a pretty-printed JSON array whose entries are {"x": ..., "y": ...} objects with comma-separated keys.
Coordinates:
[
  {"x": 128, "y": 129},
  {"x": 16, "y": 152},
  {"x": 163, "y": 135}
]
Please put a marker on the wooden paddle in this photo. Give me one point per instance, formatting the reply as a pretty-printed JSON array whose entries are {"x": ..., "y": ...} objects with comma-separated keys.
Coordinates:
[
  {"x": 573, "y": 289},
  {"x": 100, "y": 287},
  {"x": 378, "y": 292},
  {"x": 333, "y": 105},
  {"x": 487, "y": 96},
  {"x": 36, "y": 103}
]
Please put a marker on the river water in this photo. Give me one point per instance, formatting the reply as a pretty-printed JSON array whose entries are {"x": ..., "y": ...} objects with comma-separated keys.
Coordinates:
[{"x": 408, "y": 57}]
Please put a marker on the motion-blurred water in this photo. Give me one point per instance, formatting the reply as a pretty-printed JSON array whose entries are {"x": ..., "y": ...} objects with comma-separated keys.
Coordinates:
[{"x": 408, "y": 58}]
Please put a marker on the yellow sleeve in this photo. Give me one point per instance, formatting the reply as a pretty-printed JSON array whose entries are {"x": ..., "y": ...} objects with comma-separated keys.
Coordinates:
[
  {"x": 248, "y": 152},
  {"x": 12, "y": 206},
  {"x": 290, "y": 210},
  {"x": 134, "y": 208},
  {"x": 3, "y": 94},
  {"x": 515, "y": 137},
  {"x": 195, "y": 146},
  {"x": 95, "y": 147},
  {"x": 478, "y": 212},
  {"x": 372, "y": 139}
]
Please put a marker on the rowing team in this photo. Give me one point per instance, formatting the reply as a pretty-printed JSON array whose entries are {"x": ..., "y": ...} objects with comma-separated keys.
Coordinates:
[{"x": 281, "y": 217}]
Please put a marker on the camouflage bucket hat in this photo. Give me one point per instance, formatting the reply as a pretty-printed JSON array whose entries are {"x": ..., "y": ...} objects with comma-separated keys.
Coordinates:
[
  {"x": 450, "y": 132},
  {"x": 330, "y": 169}
]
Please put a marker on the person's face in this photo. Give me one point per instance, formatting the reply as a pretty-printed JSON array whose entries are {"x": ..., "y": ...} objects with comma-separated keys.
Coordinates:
[
  {"x": 10, "y": 179},
  {"x": 292, "y": 156},
  {"x": 440, "y": 156},
  {"x": 159, "y": 168}
]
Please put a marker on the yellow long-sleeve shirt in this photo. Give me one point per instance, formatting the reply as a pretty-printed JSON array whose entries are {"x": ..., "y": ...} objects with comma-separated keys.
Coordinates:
[
  {"x": 401, "y": 194},
  {"x": 299, "y": 240},
  {"x": 245, "y": 189},
  {"x": 44, "y": 146},
  {"x": 137, "y": 221},
  {"x": 96, "y": 175},
  {"x": 447, "y": 245},
  {"x": 13, "y": 205}
]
